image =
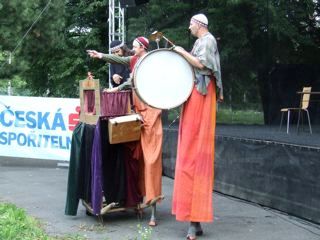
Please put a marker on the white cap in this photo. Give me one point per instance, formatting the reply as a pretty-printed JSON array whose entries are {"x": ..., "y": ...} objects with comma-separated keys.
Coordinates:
[{"x": 200, "y": 19}]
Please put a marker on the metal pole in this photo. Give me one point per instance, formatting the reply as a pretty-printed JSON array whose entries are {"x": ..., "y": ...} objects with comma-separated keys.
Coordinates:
[
  {"x": 116, "y": 25},
  {"x": 9, "y": 88}
]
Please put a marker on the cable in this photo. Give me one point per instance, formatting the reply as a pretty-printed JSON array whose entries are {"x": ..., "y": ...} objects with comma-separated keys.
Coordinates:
[{"x": 27, "y": 32}]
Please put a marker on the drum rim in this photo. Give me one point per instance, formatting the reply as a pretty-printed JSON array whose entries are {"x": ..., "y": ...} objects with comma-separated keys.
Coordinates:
[{"x": 139, "y": 63}]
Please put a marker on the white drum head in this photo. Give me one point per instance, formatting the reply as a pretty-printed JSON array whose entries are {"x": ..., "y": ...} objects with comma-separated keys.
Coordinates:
[{"x": 163, "y": 79}]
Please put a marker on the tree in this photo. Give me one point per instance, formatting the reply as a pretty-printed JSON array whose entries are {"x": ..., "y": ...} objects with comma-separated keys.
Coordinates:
[
  {"x": 15, "y": 19},
  {"x": 52, "y": 57},
  {"x": 79, "y": 26},
  {"x": 254, "y": 38}
]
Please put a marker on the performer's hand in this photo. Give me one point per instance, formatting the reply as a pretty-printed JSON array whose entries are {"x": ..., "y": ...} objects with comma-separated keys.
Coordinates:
[
  {"x": 220, "y": 97},
  {"x": 111, "y": 90},
  {"x": 116, "y": 78},
  {"x": 178, "y": 49},
  {"x": 94, "y": 54}
]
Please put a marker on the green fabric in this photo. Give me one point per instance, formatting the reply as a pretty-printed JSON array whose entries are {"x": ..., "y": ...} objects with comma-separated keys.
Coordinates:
[
  {"x": 126, "y": 85},
  {"x": 72, "y": 201},
  {"x": 111, "y": 58}
]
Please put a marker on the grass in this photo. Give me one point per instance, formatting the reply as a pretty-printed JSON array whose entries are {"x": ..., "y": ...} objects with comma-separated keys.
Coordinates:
[
  {"x": 228, "y": 116},
  {"x": 15, "y": 224}
]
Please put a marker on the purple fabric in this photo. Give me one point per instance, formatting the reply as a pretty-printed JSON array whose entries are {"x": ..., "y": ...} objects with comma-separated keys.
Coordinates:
[
  {"x": 96, "y": 168},
  {"x": 101, "y": 163},
  {"x": 114, "y": 104}
]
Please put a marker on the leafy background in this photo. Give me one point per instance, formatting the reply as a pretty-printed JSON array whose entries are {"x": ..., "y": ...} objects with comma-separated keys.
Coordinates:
[{"x": 254, "y": 38}]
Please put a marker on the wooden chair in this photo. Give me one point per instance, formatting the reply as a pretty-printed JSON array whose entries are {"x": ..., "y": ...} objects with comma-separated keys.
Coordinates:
[{"x": 304, "y": 104}]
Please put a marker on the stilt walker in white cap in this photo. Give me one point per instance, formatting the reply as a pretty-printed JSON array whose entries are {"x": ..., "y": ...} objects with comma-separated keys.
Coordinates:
[{"x": 194, "y": 172}]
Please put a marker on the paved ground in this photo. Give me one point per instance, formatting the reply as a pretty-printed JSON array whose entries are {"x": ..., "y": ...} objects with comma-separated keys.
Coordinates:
[{"x": 42, "y": 192}]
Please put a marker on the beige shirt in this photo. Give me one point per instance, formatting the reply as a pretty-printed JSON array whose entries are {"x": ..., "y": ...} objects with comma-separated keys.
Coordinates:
[{"x": 206, "y": 50}]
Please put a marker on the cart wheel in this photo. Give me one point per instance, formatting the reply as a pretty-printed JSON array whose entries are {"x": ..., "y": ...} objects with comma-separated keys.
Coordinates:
[{"x": 88, "y": 213}]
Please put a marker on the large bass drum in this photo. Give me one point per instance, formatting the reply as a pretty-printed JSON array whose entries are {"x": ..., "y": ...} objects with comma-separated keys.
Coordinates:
[{"x": 163, "y": 79}]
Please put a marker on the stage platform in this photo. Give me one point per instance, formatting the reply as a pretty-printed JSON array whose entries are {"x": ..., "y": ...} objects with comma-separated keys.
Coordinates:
[
  {"x": 263, "y": 165},
  {"x": 272, "y": 134}
]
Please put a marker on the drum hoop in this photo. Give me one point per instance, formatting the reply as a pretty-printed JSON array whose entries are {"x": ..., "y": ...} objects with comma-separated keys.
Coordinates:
[{"x": 142, "y": 59}]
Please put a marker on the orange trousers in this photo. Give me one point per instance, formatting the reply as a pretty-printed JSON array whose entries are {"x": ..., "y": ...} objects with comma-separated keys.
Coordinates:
[
  {"x": 151, "y": 144},
  {"x": 194, "y": 172}
]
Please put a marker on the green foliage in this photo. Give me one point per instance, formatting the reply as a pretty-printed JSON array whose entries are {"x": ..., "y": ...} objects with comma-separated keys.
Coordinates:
[
  {"x": 229, "y": 116},
  {"x": 145, "y": 233},
  {"x": 85, "y": 28},
  {"x": 52, "y": 56},
  {"x": 20, "y": 86},
  {"x": 16, "y": 224},
  {"x": 162, "y": 16},
  {"x": 253, "y": 37}
]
